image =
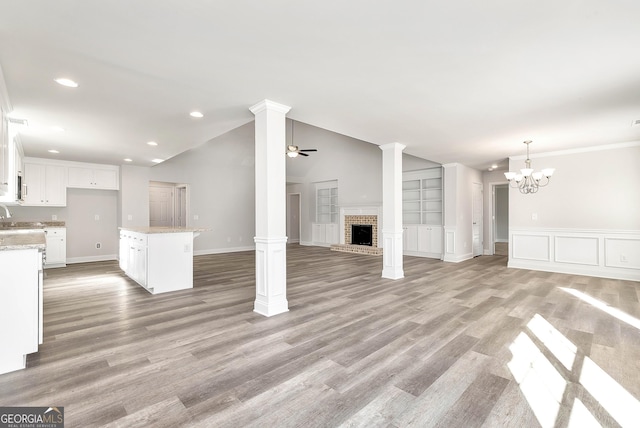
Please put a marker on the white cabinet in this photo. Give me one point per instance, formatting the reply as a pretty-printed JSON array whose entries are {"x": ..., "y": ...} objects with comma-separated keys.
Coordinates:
[
  {"x": 93, "y": 177},
  {"x": 44, "y": 185},
  {"x": 160, "y": 262},
  {"x": 422, "y": 241},
  {"x": 20, "y": 300},
  {"x": 56, "y": 253},
  {"x": 325, "y": 234},
  {"x": 422, "y": 212},
  {"x": 133, "y": 256},
  {"x": 422, "y": 197}
]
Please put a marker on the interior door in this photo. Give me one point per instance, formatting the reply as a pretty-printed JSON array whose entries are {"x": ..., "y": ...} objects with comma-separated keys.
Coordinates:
[
  {"x": 160, "y": 206},
  {"x": 477, "y": 219}
]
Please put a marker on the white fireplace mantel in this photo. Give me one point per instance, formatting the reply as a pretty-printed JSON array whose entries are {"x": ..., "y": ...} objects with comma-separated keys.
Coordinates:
[{"x": 361, "y": 210}]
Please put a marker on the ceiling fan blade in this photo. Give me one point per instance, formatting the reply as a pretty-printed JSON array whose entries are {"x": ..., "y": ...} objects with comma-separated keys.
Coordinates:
[
  {"x": 308, "y": 150},
  {"x": 302, "y": 154}
]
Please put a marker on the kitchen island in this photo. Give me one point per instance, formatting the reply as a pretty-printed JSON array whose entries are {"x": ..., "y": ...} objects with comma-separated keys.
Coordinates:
[
  {"x": 21, "y": 284},
  {"x": 160, "y": 259}
]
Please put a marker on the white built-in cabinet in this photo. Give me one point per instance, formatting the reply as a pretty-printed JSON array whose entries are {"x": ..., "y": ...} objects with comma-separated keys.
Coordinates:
[
  {"x": 325, "y": 230},
  {"x": 325, "y": 234},
  {"x": 422, "y": 212},
  {"x": 44, "y": 184},
  {"x": 45, "y": 181},
  {"x": 93, "y": 177},
  {"x": 56, "y": 247}
]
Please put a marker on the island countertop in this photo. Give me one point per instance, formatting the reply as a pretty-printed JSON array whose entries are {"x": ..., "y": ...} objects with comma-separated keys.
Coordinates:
[
  {"x": 149, "y": 230},
  {"x": 22, "y": 239}
]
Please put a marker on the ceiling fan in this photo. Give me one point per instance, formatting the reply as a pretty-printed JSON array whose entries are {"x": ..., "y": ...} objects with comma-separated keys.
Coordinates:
[{"x": 293, "y": 150}]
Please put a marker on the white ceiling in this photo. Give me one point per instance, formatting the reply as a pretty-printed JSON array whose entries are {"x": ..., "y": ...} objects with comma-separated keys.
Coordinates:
[{"x": 456, "y": 81}]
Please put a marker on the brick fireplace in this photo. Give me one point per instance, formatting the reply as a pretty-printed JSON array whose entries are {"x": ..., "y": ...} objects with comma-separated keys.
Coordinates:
[
  {"x": 359, "y": 216},
  {"x": 350, "y": 220}
]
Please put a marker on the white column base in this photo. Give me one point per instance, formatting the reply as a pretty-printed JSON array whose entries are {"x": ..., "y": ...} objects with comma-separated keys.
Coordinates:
[
  {"x": 392, "y": 256},
  {"x": 271, "y": 276}
]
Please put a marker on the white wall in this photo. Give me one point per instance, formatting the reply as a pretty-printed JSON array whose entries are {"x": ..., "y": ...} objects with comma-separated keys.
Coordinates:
[
  {"x": 355, "y": 164},
  {"x": 133, "y": 199},
  {"x": 83, "y": 231},
  {"x": 458, "y": 206},
  {"x": 587, "y": 220},
  {"x": 589, "y": 190},
  {"x": 221, "y": 178}
]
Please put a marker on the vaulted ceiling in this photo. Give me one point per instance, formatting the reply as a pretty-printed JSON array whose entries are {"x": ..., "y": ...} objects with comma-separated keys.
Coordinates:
[{"x": 456, "y": 81}]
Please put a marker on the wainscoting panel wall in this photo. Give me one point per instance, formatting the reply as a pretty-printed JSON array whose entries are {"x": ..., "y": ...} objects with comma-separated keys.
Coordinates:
[{"x": 601, "y": 253}]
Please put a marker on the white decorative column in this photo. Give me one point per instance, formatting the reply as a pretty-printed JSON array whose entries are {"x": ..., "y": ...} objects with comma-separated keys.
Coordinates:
[
  {"x": 392, "y": 211},
  {"x": 270, "y": 239}
]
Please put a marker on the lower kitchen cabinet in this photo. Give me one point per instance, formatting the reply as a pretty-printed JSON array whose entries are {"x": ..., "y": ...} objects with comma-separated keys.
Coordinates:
[
  {"x": 158, "y": 261},
  {"x": 422, "y": 241},
  {"x": 56, "y": 255},
  {"x": 20, "y": 307}
]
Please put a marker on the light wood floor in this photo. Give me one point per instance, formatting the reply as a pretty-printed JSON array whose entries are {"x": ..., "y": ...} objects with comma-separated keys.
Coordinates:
[{"x": 455, "y": 345}]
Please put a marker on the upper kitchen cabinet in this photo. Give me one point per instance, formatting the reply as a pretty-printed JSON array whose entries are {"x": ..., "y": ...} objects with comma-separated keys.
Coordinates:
[
  {"x": 44, "y": 183},
  {"x": 90, "y": 176}
]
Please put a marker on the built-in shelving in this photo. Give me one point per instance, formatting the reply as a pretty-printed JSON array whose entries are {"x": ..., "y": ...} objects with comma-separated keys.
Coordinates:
[{"x": 422, "y": 197}]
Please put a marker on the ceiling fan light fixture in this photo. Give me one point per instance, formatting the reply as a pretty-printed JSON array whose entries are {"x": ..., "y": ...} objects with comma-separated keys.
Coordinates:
[{"x": 292, "y": 154}]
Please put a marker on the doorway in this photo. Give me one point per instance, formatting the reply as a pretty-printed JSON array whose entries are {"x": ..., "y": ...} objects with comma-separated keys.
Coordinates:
[
  {"x": 501, "y": 219},
  {"x": 168, "y": 204},
  {"x": 477, "y": 219},
  {"x": 293, "y": 217}
]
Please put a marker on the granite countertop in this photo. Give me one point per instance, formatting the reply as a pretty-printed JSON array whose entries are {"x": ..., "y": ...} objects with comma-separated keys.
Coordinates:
[
  {"x": 163, "y": 229},
  {"x": 22, "y": 239},
  {"x": 12, "y": 225}
]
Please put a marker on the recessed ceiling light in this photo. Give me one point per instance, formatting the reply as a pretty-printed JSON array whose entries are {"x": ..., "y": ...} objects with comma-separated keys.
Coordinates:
[
  {"x": 196, "y": 114},
  {"x": 127, "y": 160},
  {"x": 494, "y": 166},
  {"x": 67, "y": 82},
  {"x": 53, "y": 151},
  {"x": 157, "y": 160},
  {"x": 490, "y": 169},
  {"x": 152, "y": 143}
]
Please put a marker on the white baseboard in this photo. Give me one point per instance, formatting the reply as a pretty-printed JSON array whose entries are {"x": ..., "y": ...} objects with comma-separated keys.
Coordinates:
[
  {"x": 624, "y": 274},
  {"x": 453, "y": 258},
  {"x": 89, "y": 259},
  {"x": 223, "y": 250}
]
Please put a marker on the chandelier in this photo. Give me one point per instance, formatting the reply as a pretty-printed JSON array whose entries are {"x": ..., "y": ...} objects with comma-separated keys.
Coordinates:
[{"x": 528, "y": 181}]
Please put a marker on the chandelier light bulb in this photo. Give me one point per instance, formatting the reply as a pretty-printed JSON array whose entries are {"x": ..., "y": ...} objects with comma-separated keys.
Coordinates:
[{"x": 528, "y": 180}]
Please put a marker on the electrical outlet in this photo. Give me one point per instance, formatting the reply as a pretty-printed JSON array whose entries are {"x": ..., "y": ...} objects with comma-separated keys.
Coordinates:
[
  {"x": 623, "y": 258},
  {"x": 534, "y": 216},
  {"x": 98, "y": 245},
  {"x": 196, "y": 217},
  {"x": 96, "y": 217},
  {"x": 54, "y": 217},
  {"x": 129, "y": 217}
]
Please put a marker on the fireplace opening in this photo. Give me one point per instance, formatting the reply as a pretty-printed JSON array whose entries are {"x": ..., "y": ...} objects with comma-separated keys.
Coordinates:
[{"x": 361, "y": 234}]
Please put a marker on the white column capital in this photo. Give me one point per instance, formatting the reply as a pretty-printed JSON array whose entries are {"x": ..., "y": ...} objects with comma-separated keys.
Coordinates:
[
  {"x": 394, "y": 146},
  {"x": 269, "y": 105}
]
